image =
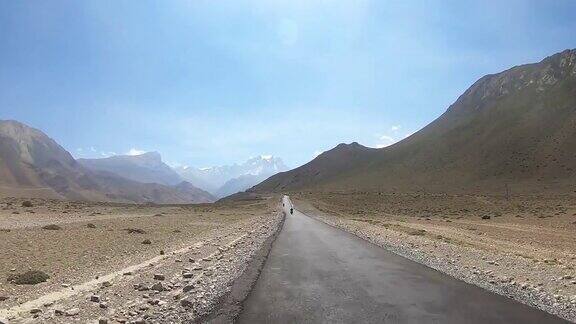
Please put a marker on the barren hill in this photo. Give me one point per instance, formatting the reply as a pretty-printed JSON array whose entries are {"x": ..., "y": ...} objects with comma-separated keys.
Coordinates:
[
  {"x": 517, "y": 128},
  {"x": 146, "y": 168},
  {"x": 34, "y": 165}
]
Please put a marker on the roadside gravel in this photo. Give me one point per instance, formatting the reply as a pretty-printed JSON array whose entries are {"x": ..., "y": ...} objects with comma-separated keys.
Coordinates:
[{"x": 183, "y": 285}]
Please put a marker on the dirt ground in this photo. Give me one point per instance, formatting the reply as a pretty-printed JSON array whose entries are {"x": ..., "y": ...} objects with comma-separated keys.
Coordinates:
[
  {"x": 94, "y": 240},
  {"x": 523, "y": 247}
]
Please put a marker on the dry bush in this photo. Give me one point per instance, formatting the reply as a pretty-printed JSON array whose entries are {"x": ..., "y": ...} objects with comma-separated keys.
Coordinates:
[{"x": 31, "y": 277}]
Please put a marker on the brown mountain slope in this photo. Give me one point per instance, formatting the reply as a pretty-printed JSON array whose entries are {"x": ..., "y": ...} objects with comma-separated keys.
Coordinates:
[
  {"x": 516, "y": 127},
  {"x": 34, "y": 165}
]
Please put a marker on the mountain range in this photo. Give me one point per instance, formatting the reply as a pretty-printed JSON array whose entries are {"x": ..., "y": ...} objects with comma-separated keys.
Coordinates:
[
  {"x": 34, "y": 165},
  {"x": 225, "y": 180},
  {"x": 516, "y": 128},
  {"x": 147, "y": 168}
]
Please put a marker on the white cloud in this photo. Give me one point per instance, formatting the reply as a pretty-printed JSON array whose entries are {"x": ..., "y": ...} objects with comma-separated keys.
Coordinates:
[
  {"x": 107, "y": 154},
  {"x": 134, "y": 151},
  {"x": 395, "y": 128},
  {"x": 385, "y": 140}
]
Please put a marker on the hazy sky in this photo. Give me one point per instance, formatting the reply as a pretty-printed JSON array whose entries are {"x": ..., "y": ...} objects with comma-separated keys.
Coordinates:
[{"x": 216, "y": 82}]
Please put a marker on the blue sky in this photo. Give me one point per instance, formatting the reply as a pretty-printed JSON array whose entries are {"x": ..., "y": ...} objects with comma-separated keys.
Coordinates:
[{"x": 216, "y": 82}]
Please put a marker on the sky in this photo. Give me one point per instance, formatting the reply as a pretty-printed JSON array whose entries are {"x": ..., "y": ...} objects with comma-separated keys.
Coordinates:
[{"x": 215, "y": 82}]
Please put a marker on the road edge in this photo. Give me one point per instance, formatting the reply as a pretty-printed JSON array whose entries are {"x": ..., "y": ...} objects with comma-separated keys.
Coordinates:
[
  {"x": 520, "y": 296},
  {"x": 231, "y": 304}
]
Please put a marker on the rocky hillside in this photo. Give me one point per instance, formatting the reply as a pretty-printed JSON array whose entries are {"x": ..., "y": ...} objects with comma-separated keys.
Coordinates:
[
  {"x": 34, "y": 165},
  {"x": 516, "y": 128},
  {"x": 146, "y": 168}
]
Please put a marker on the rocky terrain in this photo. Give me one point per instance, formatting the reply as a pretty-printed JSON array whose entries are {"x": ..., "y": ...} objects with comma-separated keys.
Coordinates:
[
  {"x": 105, "y": 262},
  {"x": 522, "y": 247}
]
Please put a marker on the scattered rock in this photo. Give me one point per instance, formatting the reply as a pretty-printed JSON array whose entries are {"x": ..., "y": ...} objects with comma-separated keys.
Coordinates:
[
  {"x": 95, "y": 298},
  {"x": 35, "y": 311},
  {"x": 187, "y": 275},
  {"x": 187, "y": 288},
  {"x": 103, "y": 305},
  {"x": 159, "y": 276},
  {"x": 102, "y": 321},
  {"x": 27, "y": 203},
  {"x": 159, "y": 287},
  {"x": 141, "y": 287},
  {"x": 3, "y": 298},
  {"x": 486, "y": 217},
  {"x": 187, "y": 303},
  {"x": 72, "y": 312},
  {"x": 106, "y": 284},
  {"x": 146, "y": 241},
  {"x": 90, "y": 225}
]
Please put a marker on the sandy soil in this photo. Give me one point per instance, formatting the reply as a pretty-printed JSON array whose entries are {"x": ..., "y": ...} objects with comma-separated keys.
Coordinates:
[
  {"x": 524, "y": 248},
  {"x": 210, "y": 243}
]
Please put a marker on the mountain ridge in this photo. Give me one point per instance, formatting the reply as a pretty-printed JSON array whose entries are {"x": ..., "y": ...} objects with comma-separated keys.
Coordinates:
[
  {"x": 513, "y": 127},
  {"x": 228, "y": 179},
  {"x": 34, "y": 165}
]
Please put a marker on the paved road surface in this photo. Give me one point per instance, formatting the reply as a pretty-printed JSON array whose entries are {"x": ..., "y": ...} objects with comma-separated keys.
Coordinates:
[{"x": 318, "y": 274}]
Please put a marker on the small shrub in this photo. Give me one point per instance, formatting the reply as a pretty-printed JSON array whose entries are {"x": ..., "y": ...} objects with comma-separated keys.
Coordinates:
[
  {"x": 146, "y": 241},
  {"x": 28, "y": 278},
  {"x": 135, "y": 231},
  {"x": 52, "y": 227},
  {"x": 418, "y": 232},
  {"x": 27, "y": 203}
]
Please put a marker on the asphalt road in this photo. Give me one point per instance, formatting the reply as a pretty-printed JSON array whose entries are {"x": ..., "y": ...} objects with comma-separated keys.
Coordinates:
[{"x": 318, "y": 274}]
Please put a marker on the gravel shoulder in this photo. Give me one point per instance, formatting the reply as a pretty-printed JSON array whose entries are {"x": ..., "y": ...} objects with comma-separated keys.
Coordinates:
[
  {"x": 528, "y": 258},
  {"x": 195, "y": 255}
]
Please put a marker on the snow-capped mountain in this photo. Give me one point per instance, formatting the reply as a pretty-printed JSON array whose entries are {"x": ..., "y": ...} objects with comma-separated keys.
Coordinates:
[{"x": 229, "y": 179}]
